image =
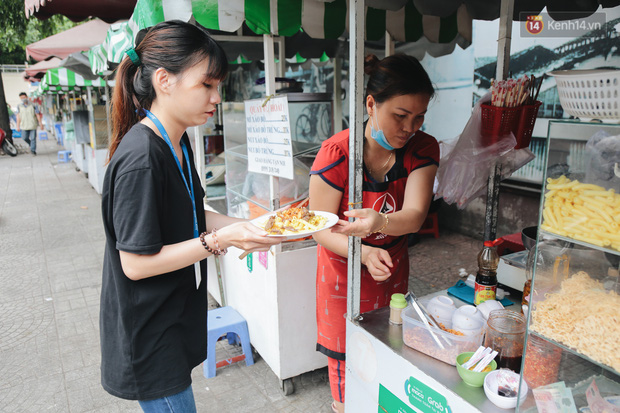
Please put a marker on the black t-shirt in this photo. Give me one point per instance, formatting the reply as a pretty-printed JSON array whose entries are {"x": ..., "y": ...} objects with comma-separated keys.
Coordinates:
[{"x": 153, "y": 331}]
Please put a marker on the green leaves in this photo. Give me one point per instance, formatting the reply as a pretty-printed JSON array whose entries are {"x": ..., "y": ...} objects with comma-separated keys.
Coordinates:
[{"x": 18, "y": 31}]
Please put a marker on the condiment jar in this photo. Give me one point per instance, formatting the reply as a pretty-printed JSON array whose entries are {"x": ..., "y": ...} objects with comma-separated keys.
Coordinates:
[
  {"x": 397, "y": 304},
  {"x": 486, "y": 278},
  {"x": 542, "y": 362},
  {"x": 505, "y": 333}
]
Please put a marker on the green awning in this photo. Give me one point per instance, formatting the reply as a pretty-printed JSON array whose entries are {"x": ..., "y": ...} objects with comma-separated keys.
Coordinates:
[
  {"x": 62, "y": 80},
  {"x": 120, "y": 37},
  {"x": 320, "y": 19},
  {"x": 328, "y": 19}
]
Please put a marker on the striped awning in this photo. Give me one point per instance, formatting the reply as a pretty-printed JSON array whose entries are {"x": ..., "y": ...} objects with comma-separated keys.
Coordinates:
[
  {"x": 120, "y": 38},
  {"x": 62, "y": 80},
  {"x": 320, "y": 19},
  {"x": 325, "y": 19}
]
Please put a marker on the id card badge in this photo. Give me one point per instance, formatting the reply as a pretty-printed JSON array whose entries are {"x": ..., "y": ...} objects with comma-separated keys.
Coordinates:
[{"x": 197, "y": 272}]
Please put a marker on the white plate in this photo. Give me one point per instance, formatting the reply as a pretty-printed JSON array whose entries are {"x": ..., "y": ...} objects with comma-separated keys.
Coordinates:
[{"x": 332, "y": 219}]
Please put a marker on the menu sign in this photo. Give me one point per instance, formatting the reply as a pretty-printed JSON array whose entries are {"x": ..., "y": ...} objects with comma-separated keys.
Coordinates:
[{"x": 269, "y": 137}]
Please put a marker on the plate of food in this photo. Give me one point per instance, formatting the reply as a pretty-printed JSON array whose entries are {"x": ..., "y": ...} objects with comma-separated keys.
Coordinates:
[{"x": 293, "y": 223}]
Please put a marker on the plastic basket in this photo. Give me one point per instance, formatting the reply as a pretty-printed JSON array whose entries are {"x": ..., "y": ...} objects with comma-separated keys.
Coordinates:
[
  {"x": 589, "y": 94},
  {"x": 525, "y": 124},
  {"x": 497, "y": 122}
]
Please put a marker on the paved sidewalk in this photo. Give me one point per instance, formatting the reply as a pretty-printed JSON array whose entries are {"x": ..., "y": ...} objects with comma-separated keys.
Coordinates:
[{"x": 51, "y": 252}]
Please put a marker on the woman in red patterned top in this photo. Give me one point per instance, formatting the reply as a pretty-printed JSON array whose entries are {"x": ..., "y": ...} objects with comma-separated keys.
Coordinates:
[{"x": 400, "y": 163}]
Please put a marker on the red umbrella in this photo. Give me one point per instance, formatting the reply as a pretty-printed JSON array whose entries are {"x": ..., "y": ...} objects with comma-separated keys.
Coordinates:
[
  {"x": 78, "y": 10},
  {"x": 35, "y": 72},
  {"x": 76, "y": 39}
]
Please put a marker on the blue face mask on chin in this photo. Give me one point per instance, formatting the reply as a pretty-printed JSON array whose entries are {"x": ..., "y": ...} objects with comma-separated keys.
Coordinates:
[{"x": 378, "y": 135}]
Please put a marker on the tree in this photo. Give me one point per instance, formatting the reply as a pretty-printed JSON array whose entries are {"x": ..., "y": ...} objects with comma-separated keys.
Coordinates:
[
  {"x": 18, "y": 32},
  {"x": 14, "y": 28}
]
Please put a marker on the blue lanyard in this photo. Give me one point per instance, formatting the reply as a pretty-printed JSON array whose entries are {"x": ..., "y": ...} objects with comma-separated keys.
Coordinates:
[{"x": 164, "y": 135}]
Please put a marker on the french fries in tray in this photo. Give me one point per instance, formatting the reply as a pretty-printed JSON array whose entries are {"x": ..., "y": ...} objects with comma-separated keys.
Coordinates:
[{"x": 584, "y": 212}]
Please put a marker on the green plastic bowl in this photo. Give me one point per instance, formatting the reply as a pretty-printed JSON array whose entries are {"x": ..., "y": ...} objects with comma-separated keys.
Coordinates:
[{"x": 471, "y": 378}]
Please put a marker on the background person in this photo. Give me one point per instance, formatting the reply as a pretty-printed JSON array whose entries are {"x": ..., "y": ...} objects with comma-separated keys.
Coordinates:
[
  {"x": 28, "y": 116},
  {"x": 153, "y": 319},
  {"x": 400, "y": 163},
  {"x": 12, "y": 117}
]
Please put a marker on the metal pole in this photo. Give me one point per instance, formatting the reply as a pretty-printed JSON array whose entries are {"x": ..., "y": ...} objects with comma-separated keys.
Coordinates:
[
  {"x": 270, "y": 89},
  {"x": 57, "y": 112},
  {"x": 281, "y": 67},
  {"x": 356, "y": 148},
  {"x": 91, "y": 119},
  {"x": 220, "y": 281},
  {"x": 270, "y": 64},
  {"x": 504, "y": 38},
  {"x": 389, "y": 44},
  {"x": 503, "y": 60},
  {"x": 107, "y": 110},
  {"x": 337, "y": 98},
  {"x": 199, "y": 157}
]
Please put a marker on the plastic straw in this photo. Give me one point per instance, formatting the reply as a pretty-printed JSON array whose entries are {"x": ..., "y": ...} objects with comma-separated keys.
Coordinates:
[
  {"x": 485, "y": 362},
  {"x": 472, "y": 361},
  {"x": 425, "y": 322}
]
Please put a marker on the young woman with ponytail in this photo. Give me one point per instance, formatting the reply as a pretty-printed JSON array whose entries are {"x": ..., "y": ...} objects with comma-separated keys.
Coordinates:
[{"x": 153, "y": 320}]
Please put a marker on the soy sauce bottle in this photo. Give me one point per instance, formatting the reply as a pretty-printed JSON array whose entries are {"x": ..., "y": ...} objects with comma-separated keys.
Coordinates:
[{"x": 486, "y": 278}]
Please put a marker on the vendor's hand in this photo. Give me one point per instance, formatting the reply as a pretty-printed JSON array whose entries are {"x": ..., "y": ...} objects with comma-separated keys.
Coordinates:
[
  {"x": 17, "y": 129},
  {"x": 367, "y": 221},
  {"x": 246, "y": 236},
  {"x": 378, "y": 262}
]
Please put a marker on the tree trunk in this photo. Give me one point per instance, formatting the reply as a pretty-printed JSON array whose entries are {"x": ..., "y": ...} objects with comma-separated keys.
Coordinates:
[{"x": 4, "y": 113}]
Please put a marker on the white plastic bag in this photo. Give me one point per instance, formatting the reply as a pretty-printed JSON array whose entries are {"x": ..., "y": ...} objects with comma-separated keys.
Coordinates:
[{"x": 464, "y": 172}]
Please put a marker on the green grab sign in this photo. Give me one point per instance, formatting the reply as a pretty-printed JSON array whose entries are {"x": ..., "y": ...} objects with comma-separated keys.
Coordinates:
[
  {"x": 389, "y": 403},
  {"x": 250, "y": 262},
  {"x": 424, "y": 398}
]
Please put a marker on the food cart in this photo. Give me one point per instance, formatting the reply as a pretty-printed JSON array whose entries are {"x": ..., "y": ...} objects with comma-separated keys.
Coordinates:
[
  {"x": 85, "y": 122},
  {"x": 381, "y": 372}
]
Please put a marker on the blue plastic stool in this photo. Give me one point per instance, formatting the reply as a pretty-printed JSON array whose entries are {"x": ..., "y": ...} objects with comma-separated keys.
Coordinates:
[
  {"x": 64, "y": 156},
  {"x": 226, "y": 322},
  {"x": 42, "y": 136},
  {"x": 59, "y": 133}
]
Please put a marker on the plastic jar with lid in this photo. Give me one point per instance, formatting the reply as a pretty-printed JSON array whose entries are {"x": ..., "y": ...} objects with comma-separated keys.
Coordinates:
[
  {"x": 397, "y": 304},
  {"x": 505, "y": 333},
  {"x": 542, "y": 362}
]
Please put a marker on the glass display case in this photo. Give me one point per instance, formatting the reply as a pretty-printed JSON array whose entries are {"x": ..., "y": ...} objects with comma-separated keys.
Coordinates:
[
  {"x": 568, "y": 149},
  {"x": 100, "y": 127},
  {"x": 284, "y": 331},
  {"x": 248, "y": 193},
  {"x": 571, "y": 361},
  {"x": 208, "y": 141}
]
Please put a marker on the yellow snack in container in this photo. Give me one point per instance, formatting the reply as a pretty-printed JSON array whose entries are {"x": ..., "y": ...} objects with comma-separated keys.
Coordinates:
[{"x": 585, "y": 212}]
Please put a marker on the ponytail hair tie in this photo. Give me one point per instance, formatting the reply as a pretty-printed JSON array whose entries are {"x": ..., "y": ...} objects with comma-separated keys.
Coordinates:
[{"x": 135, "y": 59}]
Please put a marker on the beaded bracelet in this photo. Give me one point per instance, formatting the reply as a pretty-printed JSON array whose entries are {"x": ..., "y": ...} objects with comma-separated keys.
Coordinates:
[
  {"x": 387, "y": 221},
  {"x": 217, "y": 244},
  {"x": 205, "y": 245}
]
